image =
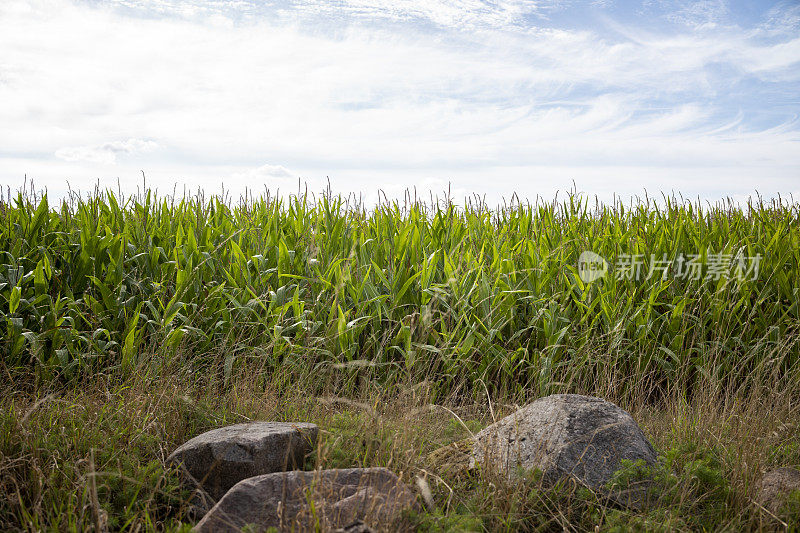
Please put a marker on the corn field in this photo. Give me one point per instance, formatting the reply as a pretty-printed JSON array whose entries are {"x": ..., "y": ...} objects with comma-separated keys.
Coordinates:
[{"x": 462, "y": 296}]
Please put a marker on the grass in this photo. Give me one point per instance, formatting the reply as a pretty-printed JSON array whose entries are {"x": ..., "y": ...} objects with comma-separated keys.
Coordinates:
[
  {"x": 713, "y": 451},
  {"x": 132, "y": 324}
]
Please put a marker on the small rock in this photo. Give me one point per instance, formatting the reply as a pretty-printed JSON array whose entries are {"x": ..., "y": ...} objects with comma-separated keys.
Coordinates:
[
  {"x": 374, "y": 496},
  {"x": 561, "y": 435},
  {"x": 776, "y": 486},
  {"x": 356, "y": 527},
  {"x": 453, "y": 459},
  {"x": 216, "y": 460}
]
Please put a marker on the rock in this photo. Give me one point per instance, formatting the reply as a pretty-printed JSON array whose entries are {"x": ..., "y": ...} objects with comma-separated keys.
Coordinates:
[
  {"x": 374, "y": 496},
  {"x": 453, "y": 459},
  {"x": 356, "y": 527},
  {"x": 776, "y": 487},
  {"x": 216, "y": 460},
  {"x": 582, "y": 437}
]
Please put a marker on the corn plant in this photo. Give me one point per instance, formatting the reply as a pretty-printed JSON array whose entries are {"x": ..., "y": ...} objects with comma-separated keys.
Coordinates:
[{"x": 455, "y": 294}]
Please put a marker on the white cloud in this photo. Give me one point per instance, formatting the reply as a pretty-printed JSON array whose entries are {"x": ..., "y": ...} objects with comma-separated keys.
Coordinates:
[
  {"x": 783, "y": 19},
  {"x": 105, "y": 153},
  {"x": 698, "y": 13},
  {"x": 219, "y": 96},
  {"x": 273, "y": 176},
  {"x": 460, "y": 14},
  {"x": 270, "y": 171}
]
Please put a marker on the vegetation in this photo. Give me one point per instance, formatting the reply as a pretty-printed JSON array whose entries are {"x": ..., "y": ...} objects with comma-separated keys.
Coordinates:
[{"x": 132, "y": 324}]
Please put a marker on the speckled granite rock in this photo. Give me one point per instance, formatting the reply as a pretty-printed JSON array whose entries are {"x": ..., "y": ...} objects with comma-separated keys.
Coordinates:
[
  {"x": 776, "y": 487},
  {"x": 340, "y": 498},
  {"x": 563, "y": 435},
  {"x": 218, "y": 459}
]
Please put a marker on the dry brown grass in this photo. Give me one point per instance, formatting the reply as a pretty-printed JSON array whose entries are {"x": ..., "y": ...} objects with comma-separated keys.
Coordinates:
[{"x": 80, "y": 457}]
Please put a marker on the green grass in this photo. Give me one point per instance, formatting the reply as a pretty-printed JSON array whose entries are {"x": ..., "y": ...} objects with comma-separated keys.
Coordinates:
[{"x": 132, "y": 324}]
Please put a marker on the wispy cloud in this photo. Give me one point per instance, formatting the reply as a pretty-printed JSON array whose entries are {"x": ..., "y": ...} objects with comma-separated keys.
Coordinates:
[
  {"x": 459, "y": 14},
  {"x": 697, "y": 13},
  {"x": 105, "y": 153}
]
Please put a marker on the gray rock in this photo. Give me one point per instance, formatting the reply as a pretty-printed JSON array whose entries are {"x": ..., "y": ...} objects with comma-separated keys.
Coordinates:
[
  {"x": 776, "y": 486},
  {"x": 216, "y": 460},
  {"x": 561, "y": 435},
  {"x": 308, "y": 501},
  {"x": 454, "y": 459},
  {"x": 356, "y": 527}
]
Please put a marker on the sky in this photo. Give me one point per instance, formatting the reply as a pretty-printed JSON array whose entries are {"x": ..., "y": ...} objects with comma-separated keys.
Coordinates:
[{"x": 606, "y": 97}]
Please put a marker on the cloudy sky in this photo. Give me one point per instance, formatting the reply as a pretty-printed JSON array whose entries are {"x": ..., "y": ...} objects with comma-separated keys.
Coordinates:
[{"x": 492, "y": 97}]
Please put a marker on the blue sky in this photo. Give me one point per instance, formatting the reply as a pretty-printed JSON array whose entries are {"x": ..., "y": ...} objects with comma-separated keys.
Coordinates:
[{"x": 700, "y": 98}]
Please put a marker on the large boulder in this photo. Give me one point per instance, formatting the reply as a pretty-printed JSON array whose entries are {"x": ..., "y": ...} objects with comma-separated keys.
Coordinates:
[
  {"x": 582, "y": 437},
  {"x": 312, "y": 501},
  {"x": 216, "y": 460},
  {"x": 776, "y": 487}
]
